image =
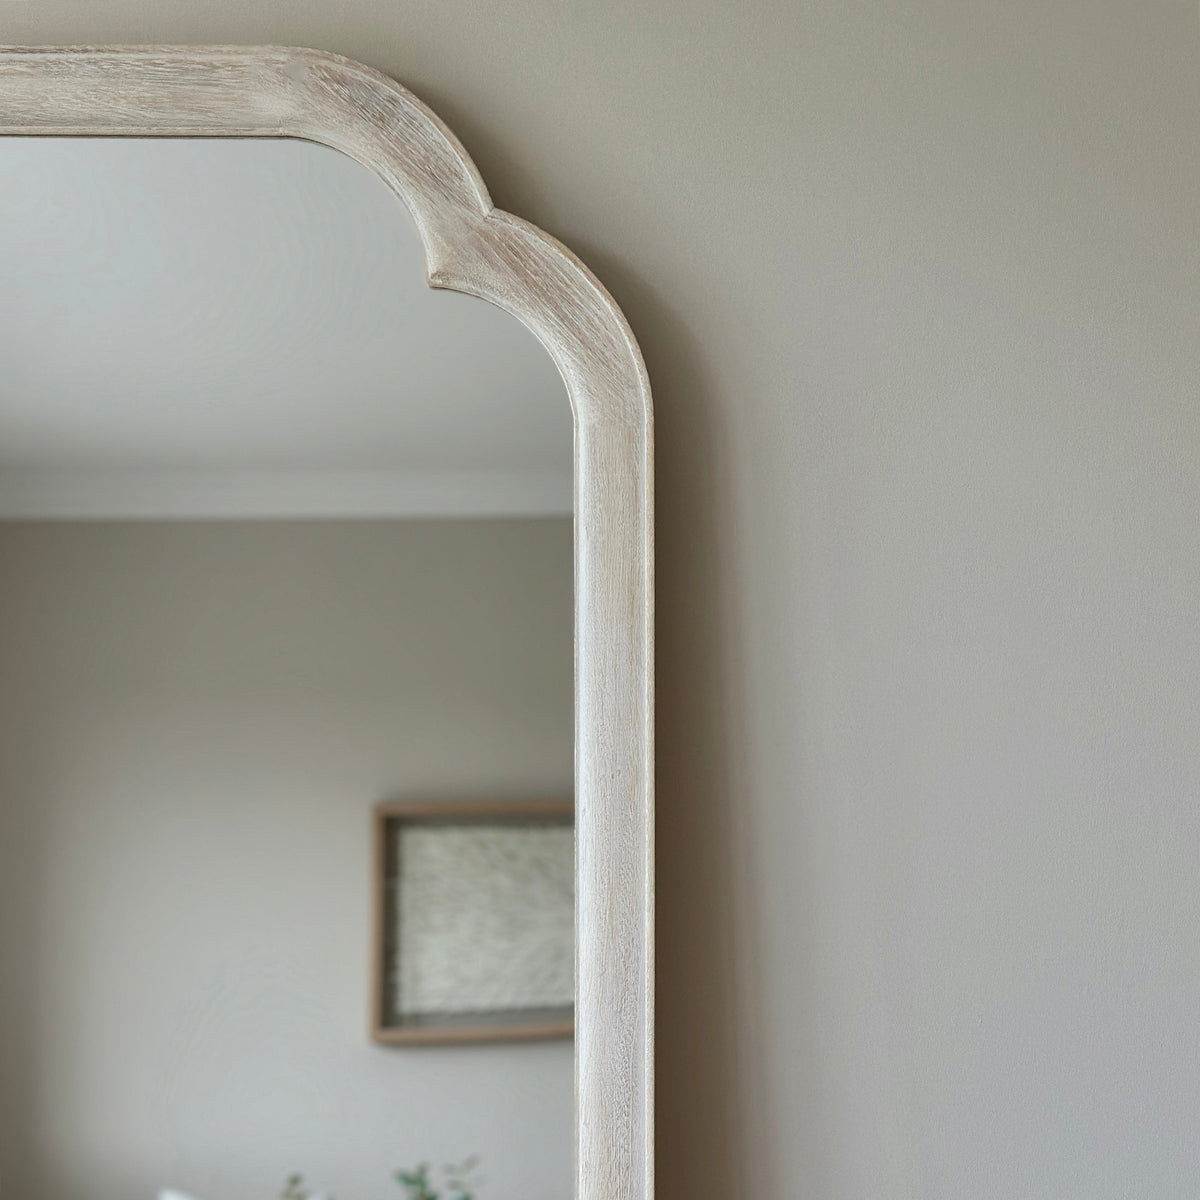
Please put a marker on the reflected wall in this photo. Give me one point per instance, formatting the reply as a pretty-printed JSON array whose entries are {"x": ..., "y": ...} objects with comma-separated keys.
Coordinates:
[{"x": 196, "y": 719}]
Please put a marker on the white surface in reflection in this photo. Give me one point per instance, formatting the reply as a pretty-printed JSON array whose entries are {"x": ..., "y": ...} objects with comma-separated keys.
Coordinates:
[{"x": 199, "y": 324}]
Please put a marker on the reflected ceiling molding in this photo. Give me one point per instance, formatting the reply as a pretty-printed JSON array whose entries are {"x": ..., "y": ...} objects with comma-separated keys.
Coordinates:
[
  {"x": 213, "y": 304},
  {"x": 136, "y": 495}
]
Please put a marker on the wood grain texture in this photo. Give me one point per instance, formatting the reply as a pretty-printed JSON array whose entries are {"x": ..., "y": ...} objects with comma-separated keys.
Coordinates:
[{"x": 472, "y": 247}]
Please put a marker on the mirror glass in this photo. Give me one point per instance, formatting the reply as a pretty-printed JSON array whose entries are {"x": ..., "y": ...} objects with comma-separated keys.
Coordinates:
[{"x": 286, "y": 711}]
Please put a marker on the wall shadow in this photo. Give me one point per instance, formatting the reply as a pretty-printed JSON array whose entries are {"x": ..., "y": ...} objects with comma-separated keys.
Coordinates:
[{"x": 706, "y": 1070}]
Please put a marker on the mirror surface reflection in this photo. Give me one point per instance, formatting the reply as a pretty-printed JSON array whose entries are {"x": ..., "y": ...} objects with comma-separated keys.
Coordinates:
[{"x": 286, "y": 712}]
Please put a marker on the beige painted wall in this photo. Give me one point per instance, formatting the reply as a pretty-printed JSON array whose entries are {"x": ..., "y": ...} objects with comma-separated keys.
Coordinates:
[
  {"x": 195, "y": 720},
  {"x": 917, "y": 285}
]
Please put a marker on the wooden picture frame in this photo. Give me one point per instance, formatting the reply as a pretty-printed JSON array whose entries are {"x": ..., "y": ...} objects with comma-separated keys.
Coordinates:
[
  {"x": 472, "y": 247},
  {"x": 385, "y": 942}
]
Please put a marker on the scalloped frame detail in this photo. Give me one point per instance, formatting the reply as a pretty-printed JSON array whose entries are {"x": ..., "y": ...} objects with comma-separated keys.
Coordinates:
[{"x": 472, "y": 247}]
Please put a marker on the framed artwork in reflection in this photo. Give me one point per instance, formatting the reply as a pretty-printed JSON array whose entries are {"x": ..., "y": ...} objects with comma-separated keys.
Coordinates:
[{"x": 474, "y": 922}]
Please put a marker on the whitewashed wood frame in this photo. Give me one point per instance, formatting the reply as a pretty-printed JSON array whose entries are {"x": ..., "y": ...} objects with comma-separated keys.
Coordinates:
[{"x": 470, "y": 246}]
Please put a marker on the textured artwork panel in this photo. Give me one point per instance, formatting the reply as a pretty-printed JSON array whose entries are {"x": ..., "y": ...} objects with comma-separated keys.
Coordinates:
[{"x": 485, "y": 918}]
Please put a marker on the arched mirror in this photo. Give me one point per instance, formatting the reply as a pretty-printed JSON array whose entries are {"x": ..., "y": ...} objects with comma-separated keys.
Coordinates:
[{"x": 325, "y": 654}]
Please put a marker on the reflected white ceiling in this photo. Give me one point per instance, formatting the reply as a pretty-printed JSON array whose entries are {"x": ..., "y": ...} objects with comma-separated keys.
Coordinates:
[{"x": 243, "y": 328}]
